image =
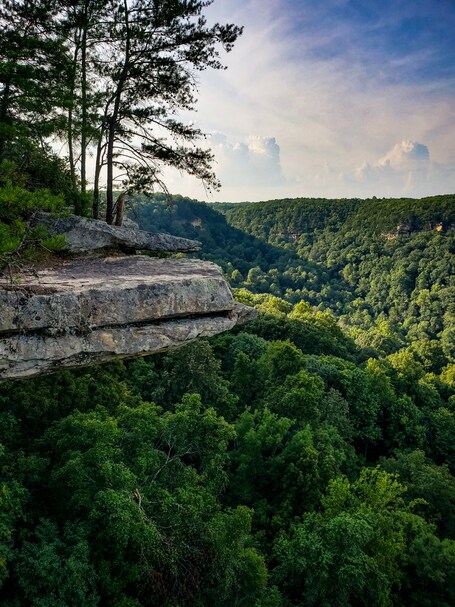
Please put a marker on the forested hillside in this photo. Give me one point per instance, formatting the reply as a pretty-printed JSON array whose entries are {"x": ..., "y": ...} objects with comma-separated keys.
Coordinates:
[
  {"x": 385, "y": 267},
  {"x": 305, "y": 459},
  {"x": 267, "y": 467}
]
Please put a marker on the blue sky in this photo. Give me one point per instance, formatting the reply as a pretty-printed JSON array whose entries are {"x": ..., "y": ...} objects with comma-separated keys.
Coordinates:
[
  {"x": 411, "y": 41},
  {"x": 331, "y": 98}
]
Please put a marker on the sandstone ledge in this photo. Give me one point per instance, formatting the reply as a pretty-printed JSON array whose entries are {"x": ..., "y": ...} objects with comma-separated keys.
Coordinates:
[
  {"x": 81, "y": 294},
  {"x": 84, "y": 312},
  {"x": 25, "y": 356},
  {"x": 88, "y": 235}
]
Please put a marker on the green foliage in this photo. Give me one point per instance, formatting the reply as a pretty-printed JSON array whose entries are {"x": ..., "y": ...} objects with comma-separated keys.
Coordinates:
[
  {"x": 343, "y": 255},
  {"x": 36, "y": 167},
  {"x": 16, "y": 202},
  {"x": 303, "y": 459},
  {"x": 424, "y": 479},
  {"x": 133, "y": 497},
  {"x": 54, "y": 568},
  {"x": 355, "y": 550},
  {"x": 195, "y": 369},
  {"x": 251, "y": 479},
  {"x": 17, "y": 206},
  {"x": 298, "y": 397},
  {"x": 11, "y": 497}
]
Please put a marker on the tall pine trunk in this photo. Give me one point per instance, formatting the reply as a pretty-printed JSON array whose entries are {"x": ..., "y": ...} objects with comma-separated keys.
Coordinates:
[
  {"x": 96, "y": 180},
  {"x": 110, "y": 167},
  {"x": 70, "y": 125},
  {"x": 113, "y": 121},
  {"x": 84, "y": 100}
]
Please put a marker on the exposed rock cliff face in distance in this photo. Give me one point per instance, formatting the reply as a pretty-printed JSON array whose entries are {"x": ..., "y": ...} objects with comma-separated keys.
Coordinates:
[{"x": 88, "y": 311}]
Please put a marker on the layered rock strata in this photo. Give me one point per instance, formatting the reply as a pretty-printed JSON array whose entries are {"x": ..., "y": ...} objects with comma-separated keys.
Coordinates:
[{"x": 83, "y": 312}]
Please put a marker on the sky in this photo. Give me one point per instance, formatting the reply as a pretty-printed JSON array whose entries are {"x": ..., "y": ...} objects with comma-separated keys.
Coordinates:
[{"x": 330, "y": 98}]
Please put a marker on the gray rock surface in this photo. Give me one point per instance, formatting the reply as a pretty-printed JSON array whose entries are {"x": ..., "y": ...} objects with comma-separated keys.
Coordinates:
[
  {"x": 86, "y": 235},
  {"x": 83, "y": 312},
  {"x": 27, "y": 355},
  {"x": 80, "y": 294}
]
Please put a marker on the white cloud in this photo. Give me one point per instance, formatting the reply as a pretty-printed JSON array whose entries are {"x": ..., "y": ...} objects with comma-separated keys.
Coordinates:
[
  {"x": 406, "y": 155},
  {"x": 254, "y": 162},
  {"x": 251, "y": 170},
  {"x": 403, "y": 170},
  {"x": 251, "y": 167},
  {"x": 327, "y": 115}
]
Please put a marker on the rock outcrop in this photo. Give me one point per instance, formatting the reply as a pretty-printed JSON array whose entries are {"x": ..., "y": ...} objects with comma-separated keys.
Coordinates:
[
  {"x": 82, "y": 312},
  {"x": 88, "y": 235}
]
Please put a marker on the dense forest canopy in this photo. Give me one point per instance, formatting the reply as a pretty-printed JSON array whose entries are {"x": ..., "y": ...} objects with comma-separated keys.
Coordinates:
[
  {"x": 305, "y": 459},
  {"x": 385, "y": 268},
  {"x": 271, "y": 466}
]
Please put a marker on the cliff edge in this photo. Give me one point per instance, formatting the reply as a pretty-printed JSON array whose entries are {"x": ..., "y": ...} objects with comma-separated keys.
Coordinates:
[{"x": 81, "y": 312}]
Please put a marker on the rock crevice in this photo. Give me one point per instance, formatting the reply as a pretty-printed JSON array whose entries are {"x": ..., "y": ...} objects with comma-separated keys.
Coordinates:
[
  {"x": 86, "y": 311},
  {"x": 113, "y": 291}
]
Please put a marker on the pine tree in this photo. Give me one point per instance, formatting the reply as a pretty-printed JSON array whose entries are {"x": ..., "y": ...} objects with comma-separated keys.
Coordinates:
[
  {"x": 32, "y": 60},
  {"x": 156, "y": 47},
  {"x": 111, "y": 75}
]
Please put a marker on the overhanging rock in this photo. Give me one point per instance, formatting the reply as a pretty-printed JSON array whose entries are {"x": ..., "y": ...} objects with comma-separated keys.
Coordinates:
[{"x": 87, "y": 311}]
